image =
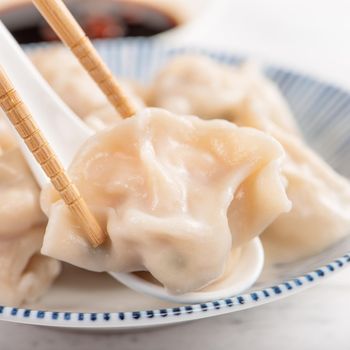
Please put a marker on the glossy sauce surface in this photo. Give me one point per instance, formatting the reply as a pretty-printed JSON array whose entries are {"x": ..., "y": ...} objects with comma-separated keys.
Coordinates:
[{"x": 112, "y": 20}]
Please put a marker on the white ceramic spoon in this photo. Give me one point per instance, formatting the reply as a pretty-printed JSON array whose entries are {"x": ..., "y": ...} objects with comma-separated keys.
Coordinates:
[
  {"x": 64, "y": 130},
  {"x": 244, "y": 271},
  {"x": 66, "y": 133}
]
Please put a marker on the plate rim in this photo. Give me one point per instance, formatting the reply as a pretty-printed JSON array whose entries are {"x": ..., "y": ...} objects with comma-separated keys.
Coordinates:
[{"x": 172, "y": 315}]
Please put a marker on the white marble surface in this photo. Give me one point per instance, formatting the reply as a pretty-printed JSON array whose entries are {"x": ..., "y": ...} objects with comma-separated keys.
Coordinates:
[{"x": 311, "y": 35}]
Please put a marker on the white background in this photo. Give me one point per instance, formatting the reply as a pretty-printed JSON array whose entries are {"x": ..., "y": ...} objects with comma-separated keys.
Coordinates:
[{"x": 313, "y": 36}]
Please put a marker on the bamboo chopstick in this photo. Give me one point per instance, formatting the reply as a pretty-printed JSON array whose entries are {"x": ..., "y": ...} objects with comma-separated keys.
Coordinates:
[
  {"x": 19, "y": 115},
  {"x": 67, "y": 28}
]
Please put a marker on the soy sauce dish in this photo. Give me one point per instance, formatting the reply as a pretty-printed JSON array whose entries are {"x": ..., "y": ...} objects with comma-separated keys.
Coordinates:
[{"x": 267, "y": 156}]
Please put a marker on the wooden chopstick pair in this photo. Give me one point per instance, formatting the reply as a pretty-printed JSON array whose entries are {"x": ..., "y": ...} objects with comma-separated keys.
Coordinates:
[{"x": 66, "y": 27}]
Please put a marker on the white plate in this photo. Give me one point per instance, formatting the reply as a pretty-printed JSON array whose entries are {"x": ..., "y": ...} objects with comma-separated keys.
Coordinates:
[{"x": 83, "y": 299}]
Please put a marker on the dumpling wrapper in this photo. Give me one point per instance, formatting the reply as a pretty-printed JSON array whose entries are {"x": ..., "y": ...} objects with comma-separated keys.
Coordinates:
[
  {"x": 175, "y": 193},
  {"x": 197, "y": 85},
  {"x": 25, "y": 274},
  {"x": 19, "y": 195},
  {"x": 320, "y": 214}
]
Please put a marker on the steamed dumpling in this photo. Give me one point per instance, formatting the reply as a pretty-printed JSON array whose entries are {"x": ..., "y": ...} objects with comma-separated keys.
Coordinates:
[
  {"x": 76, "y": 88},
  {"x": 24, "y": 273},
  {"x": 195, "y": 84},
  {"x": 176, "y": 195},
  {"x": 320, "y": 214},
  {"x": 19, "y": 195}
]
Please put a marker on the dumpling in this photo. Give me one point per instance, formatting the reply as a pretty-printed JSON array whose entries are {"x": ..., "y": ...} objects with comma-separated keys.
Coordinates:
[
  {"x": 176, "y": 195},
  {"x": 19, "y": 195},
  {"x": 320, "y": 214},
  {"x": 71, "y": 82},
  {"x": 25, "y": 274},
  {"x": 195, "y": 84}
]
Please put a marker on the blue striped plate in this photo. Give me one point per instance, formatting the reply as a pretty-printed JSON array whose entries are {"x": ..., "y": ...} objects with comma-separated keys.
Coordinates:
[{"x": 322, "y": 111}]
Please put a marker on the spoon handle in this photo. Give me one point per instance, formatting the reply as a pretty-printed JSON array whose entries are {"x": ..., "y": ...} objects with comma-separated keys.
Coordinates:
[
  {"x": 67, "y": 28},
  {"x": 20, "y": 117}
]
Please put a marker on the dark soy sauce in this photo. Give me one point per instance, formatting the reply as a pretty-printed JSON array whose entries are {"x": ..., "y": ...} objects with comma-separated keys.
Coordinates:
[{"x": 119, "y": 20}]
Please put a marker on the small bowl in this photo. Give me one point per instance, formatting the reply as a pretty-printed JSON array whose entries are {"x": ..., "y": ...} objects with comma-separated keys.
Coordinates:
[
  {"x": 104, "y": 18},
  {"x": 81, "y": 299}
]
